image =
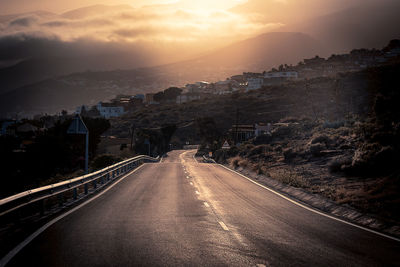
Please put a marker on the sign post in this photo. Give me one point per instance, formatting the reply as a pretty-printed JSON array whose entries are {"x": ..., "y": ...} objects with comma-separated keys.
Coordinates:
[{"x": 77, "y": 126}]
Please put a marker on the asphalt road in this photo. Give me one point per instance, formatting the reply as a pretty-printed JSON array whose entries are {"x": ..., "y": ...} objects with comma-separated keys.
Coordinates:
[{"x": 180, "y": 212}]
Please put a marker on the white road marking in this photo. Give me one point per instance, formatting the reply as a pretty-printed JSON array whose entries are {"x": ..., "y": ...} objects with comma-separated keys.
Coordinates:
[
  {"x": 206, "y": 204},
  {"x": 161, "y": 159},
  {"x": 187, "y": 177},
  {"x": 29, "y": 239},
  {"x": 223, "y": 226},
  {"x": 313, "y": 210},
  {"x": 191, "y": 183},
  {"x": 197, "y": 192},
  {"x": 195, "y": 159}
]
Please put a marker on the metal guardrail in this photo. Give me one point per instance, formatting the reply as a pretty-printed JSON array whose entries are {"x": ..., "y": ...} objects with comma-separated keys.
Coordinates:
[{"x": 39, "y": 195}]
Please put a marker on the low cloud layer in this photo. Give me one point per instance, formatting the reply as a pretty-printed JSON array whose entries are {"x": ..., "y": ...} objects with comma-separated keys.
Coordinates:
[{"x": 166, "y": 29}]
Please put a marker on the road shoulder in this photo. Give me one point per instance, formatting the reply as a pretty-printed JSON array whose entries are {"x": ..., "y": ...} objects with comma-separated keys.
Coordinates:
[{"x": 321, "y": 204}]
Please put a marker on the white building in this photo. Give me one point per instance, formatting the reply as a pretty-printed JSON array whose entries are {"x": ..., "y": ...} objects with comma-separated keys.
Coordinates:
[
  {"x": 254, "y": 83},
  {"x": 282, "y": 74},
  {"x": 109, "y": 111}
]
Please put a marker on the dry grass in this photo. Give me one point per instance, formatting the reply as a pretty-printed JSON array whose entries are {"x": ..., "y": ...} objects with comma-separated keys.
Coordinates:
[{"x": 290, "y": 177}]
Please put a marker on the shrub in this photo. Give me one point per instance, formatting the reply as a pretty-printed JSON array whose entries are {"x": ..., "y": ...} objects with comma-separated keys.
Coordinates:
[
  {"x": 374, "y": 159},
  {"x": 315, "y": 149},
  {"x": 333, "y": 125},
  {"x": 244, "y": 163},
  {"x": 321, "y": 139},
  {"x": 235, "y": 162},
  {"x": 291, "y": 178},
  {"x": 340, "y": 163},
  {"x": 289, "y": 154}
]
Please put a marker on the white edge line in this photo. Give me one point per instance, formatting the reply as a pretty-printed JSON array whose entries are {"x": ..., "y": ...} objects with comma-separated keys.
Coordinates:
[
  {"x": 29, "y": 239},
  {"x": 161, "y": 158},
  {"x": 197, "y": 192},
  {"x": 223, "y": 226},
  {"x": 313, "y": 210},
  {"x": 195, "y": 159},
  {"x": 206, "y": 204}
]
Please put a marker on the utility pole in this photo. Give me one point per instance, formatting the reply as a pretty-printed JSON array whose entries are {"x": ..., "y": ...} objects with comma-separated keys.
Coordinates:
[{"x": 132, "y": 135}]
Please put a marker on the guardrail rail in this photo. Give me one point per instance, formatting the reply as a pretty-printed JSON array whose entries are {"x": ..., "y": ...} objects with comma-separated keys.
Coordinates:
[{"x": 38, "y": 199}]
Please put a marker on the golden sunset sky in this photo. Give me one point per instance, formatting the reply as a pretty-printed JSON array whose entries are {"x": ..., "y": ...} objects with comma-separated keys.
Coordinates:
[{"x": 170, "y": 30}]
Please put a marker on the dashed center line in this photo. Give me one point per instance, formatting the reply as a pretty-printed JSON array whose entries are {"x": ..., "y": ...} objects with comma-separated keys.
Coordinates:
[
  {"x": 223, "y": 226},
  {"x": 206, "y": 204},
  {"x": 197, "y": 192},
  {"x": 187, "y": 177},
  {"x": 191, "y": 183}
]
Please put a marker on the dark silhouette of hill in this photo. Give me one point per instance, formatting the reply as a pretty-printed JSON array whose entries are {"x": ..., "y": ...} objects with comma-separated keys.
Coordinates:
[
  {"x": 262, "y": 52},
  {"x": 367, "y": 25}
]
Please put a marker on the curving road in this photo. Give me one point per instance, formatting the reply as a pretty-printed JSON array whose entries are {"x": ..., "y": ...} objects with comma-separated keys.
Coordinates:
[{"x": 181, "y": 212}]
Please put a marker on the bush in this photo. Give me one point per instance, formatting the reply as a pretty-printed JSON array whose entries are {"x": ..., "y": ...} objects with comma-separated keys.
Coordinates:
[
  {"x": 339, "y": 164},
  {"x": 333, "y": 125},
  {"x": 289, "y": 154},
  {"x": 321, "y": 139},
  {"x": 373, "y": 159},
  {"x": 235, "y": 162},
  {"x": 315, "y": 149}
]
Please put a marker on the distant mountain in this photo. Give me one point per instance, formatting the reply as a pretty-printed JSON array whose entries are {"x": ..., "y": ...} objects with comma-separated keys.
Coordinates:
[
  {"x": 368, "y": 25},
  {"x": 255, "y": 54},
  {"x": 263, "y": 52}
]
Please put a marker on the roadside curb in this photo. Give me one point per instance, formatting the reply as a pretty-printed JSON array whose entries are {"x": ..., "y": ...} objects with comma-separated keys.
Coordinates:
[{"x": 322, "y": 204}]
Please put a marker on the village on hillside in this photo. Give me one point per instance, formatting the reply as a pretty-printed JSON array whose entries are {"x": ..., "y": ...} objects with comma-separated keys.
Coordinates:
[{"x": 356, "y": 60}]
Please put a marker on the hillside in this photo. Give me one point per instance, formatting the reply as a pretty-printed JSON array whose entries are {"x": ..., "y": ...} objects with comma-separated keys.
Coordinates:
[
  {"x": 336, "y": 137},
  {"x": 255, "y": 54}
]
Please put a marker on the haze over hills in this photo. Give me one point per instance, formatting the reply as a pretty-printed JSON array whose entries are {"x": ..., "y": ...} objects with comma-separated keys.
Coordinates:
[
  {"x": 256, "y": 54},
  {"x": 31, "y": 50}
]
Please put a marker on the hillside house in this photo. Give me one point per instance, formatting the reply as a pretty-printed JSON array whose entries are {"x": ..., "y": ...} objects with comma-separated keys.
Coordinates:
[
  {"x": 108, "y": 110},
  {"x": 276, "y": 77},
  {"x": 254, "y": 83},
  {"x": 244, "y": 132}
]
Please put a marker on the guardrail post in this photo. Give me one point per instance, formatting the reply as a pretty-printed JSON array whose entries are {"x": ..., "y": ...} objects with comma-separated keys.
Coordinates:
[
  {"x": 75, "y": 193},
  {"x": 95, "y": 184},
  {"x": 86, "y": 189}
]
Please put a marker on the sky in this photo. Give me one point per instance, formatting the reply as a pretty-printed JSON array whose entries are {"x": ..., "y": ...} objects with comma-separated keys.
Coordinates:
[
  {"x": 57, "y": 6},
  {"x": 171, "y": 30}
]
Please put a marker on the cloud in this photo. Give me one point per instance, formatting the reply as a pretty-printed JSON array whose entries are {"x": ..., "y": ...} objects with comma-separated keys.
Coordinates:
[
  {"x": 171, "y": 34},
  {"x": 131, "y": 25},
  {"x": 23, "y": 22}
]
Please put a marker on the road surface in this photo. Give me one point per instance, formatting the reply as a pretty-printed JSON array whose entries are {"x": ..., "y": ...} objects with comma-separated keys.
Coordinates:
[{"x": 181, "y": 212}]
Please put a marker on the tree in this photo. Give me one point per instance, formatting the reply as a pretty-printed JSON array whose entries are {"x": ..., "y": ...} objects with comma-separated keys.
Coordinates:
[{"x": 159, "y": 97}]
